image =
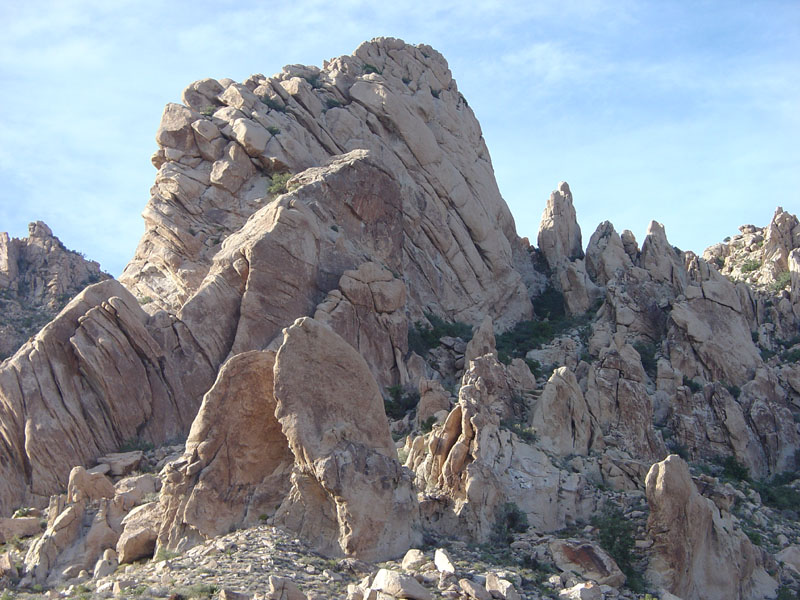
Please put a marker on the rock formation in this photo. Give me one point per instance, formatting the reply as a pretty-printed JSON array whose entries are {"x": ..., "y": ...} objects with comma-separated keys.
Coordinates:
[
  {"x": 697, "y": 552},
  {"x": 38, "y": 276},
  {"x": 326, "y": 247}
]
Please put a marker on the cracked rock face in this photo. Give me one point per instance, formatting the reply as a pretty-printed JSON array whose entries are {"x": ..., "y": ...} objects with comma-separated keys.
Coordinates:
[{"x": 219, "y": 153}]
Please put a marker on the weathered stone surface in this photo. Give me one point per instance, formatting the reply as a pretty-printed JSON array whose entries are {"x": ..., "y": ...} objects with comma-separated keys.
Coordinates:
[
  {"x": 470, "y": 466},
  {"x": 500, "y": 588},
  {"x": 85, "y": 487},
  {"x": 561, "y": 418},
  {"x": 399, "y": 585},
  {"x": 482, "y": 342},
  {"x": 367, "y": 310},
  {"x": 331, "y": 413},
  {"x": 139, "y": 533},
  {"x": 18, "y": 528},
  {"x": 588, "y": 560},
  {"x": 559, "y": 234},
  {"x": 237, "y": 461},
  {"x": 95, "y": 377},
  {"x": 697, "y": 552}
]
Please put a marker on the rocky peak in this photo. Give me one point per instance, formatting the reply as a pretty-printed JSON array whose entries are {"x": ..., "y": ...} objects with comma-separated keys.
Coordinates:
[
  {"x": 38, "y": 276},
  {"x": 559, "y": 233},
  {"x": 228, "y": 151}
]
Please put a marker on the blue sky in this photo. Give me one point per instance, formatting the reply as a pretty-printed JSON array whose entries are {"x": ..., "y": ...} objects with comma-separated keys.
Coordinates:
[{"x": 683, "y": 112}]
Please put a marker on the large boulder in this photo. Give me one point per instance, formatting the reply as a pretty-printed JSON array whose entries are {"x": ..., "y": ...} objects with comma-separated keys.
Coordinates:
[
  {"x": 236, "y": 466},
  {"x": 331, "y": 412},
  {"x": 698, "y": 553}
]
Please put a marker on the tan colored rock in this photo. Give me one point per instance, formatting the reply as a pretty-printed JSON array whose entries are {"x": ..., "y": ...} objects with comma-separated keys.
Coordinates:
[
  {"x": 43, "y": 553},
  {"x": 85, "y": 487},
  {"x": 331, "y": 413},
  {"x": 139, "y": 533},
  {"x": 399, "y": 585},
  {"x": 559, "y": 234},
  {"x": 122, "y": 463},
  {"x": 660, "y": 258},
  {"x": 606, "y": 255},
  {"x": 89, "y": 381},
  {"x": 561, "y": 418},
  {"x": 413, "y": 559},
  {"x": 790, "y": 556},
  {"x": 588, "y": 560},
  {"x": 283, "y": 588},
  {"x": 37, "y": 277},
  {"x": 133, "y": 490},
  {"x": 432, "y": 399},
  {"x": 501, "y": 588},
  {"x": 459, "y": 234},
  {"x": 697, "y": 551},
  {"x": 482, "y": 341},
  {"x": 20, "y": 527},
  {"x": 474, "y": 590},
  {"x": 368, "y": 312},
  {"x": 469, "y": 467},
  {"x": 237, "y": 461}
]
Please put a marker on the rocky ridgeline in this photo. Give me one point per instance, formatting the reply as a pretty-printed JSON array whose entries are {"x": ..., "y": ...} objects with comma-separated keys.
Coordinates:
[
  {"x": 387, "y": 393},
  {"x": 38, "y": 276}
]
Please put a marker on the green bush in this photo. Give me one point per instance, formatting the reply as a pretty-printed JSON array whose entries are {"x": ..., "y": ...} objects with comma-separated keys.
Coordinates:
[
  {"x": 278, "y": 185},
  {"x": 274, "y": 130},
  {"x": 136, "y": 443},
  {"x": 786, "y": 593},
  {"x": 400, "y": 401},
  {"x": 526, "y": 434},
  {"x": 332, "y": 103},
  {"x": 751, "y": 265},
  {"x": 550, "y": 304},
  {"x": 733, "y": 470},
  {"x": 423, "y": 337},
  {"x": 509, "y": 519},
  {"x": 368, "y": 68},
  {"x": 616, "y": 535},
  {"x": 427, "y": 424},
  {"x": 782, "y": 281},
  {"x": 647, "y": 352},
  {"x": 791, "y": 355},
  {"x": 777, "y": 494},
  {"x": 273, "y": 104},
  {"x": 692, "y": 384}
]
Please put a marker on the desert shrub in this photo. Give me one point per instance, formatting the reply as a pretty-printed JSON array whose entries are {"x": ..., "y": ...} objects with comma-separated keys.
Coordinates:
[
  {"x": 647, "y": 352},
  {"x": 791, "y": 355},
  {"x": 550, "y": 304},
  {"x": 400, "y": 401},
  {"x": 754, "y": 536},
  {"x": 509, "y": 519},
  {"x": 616, "y": 535},
  {"x": 751, "y": 265},
  {"x": 274, "y": 130},
  {"x": 786, "y": 593},
  {"x": 272, "y": 104},
  {"x": 776, "y": 492},
  {"x": 782, "y": 281},
  {"x": 423, "y": 337},
  {"x": 278, "y": 185},
  {"x": 208, "y": 111},
  {"x": 526, "y": 434},
  {"x": 427, "y": 424},
  {"x": 735, "y": 390},
  {"x": 332, "y": 103},
  {"x": 136, "y": 443},
  {"x": 692, "y": 384},
  {"x": 368, "y": 68},
  {"x": 733, "y": 470}
]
